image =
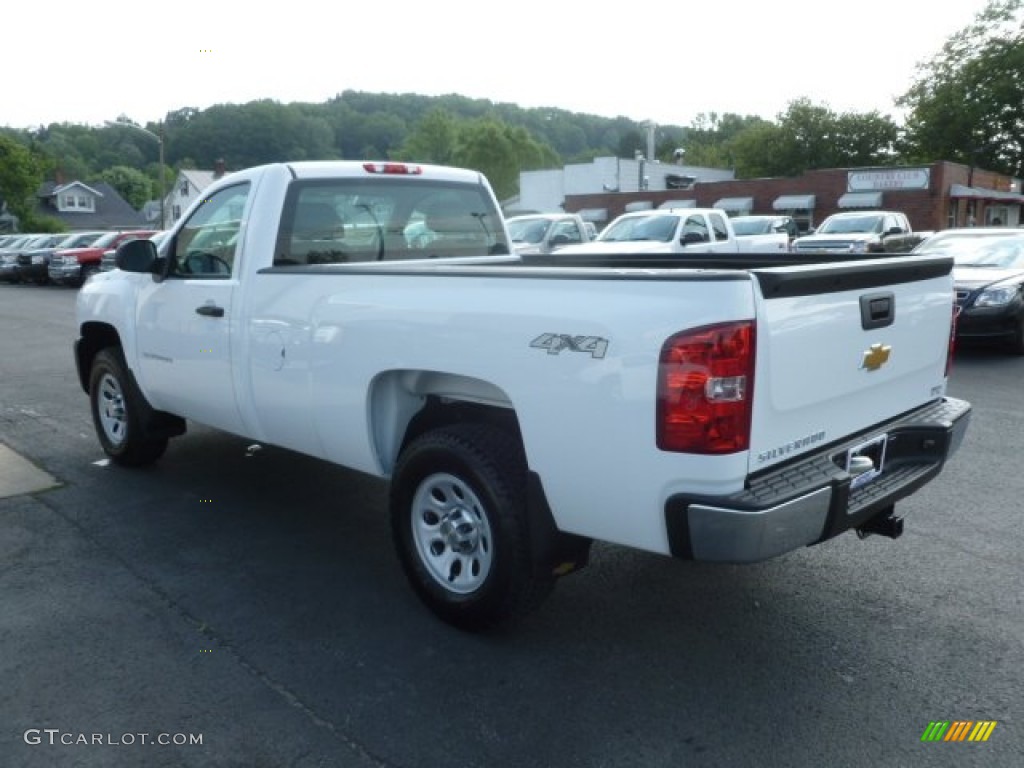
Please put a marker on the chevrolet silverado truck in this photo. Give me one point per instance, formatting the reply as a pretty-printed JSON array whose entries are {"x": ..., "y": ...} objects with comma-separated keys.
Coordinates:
[
  {"x": 764, "y": 233},
  {"x": 520, "y": 411},
  {"x": 547, "y": 232},
  {"x": 860, "y": 232},
  {"x": 683, "y": 231}
]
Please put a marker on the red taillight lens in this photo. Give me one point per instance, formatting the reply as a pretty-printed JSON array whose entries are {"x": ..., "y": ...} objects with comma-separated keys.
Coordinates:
[
  {"x": 952, "y": 338},
  {"x": 400, "y": 169},
  {"x": 705, "y": 388}
]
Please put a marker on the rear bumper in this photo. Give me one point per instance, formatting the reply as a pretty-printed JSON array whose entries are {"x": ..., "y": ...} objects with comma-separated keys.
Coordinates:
[{"x": 811, "y": 500}]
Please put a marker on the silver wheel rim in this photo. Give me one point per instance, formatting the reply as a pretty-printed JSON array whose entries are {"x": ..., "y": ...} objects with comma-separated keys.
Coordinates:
[
  {"x": 111, "y": 409},
  {"x": 452, "y": 533}
]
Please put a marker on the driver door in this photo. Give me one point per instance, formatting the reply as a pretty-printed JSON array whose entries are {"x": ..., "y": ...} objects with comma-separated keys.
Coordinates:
[{"x": 186, "y": 323}]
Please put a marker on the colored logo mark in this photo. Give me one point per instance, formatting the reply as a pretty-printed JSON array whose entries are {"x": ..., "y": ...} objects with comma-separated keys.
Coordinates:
[{"x": 958, "y": 730}]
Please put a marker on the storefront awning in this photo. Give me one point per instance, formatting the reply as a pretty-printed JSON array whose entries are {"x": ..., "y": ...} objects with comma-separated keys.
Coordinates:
[
  {"x": 793, "y": 203},
  {"x": 960, "y": 190},
  {"x": 639, "y": 205},
  {"x": 735, "y": 204},
  {"x": 861, "y": 200},
  {"x": 678, "y": 204},
  {"x": 594, "y": 214}
]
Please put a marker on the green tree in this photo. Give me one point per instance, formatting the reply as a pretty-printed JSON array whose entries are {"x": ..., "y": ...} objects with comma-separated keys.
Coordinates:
[
  {"x": 131, "y": 184},
  {"x": 967, "y": 103},
  {"x": 500, "y": 152},
  {"x": 20, "y": 177},
  {"x": 432, "y": 139}
]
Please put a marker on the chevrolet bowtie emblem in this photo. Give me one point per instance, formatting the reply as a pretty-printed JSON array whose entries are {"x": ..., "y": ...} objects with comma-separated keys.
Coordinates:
[{"x": 876, "y": 356}]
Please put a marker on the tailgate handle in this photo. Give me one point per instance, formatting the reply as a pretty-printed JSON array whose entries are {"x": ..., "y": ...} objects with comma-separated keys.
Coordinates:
[{"x": 877, "y": 310}]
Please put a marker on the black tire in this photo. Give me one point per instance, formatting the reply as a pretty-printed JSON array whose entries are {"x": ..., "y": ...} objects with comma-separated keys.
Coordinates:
[
  {"x": 458, "y": 516},
  {"x": 119, "y": 412},
  {"x": 1017, "y": 343}
]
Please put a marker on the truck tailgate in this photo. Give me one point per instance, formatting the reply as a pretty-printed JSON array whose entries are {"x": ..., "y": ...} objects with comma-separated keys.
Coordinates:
[{"x": 841, "y": 348}]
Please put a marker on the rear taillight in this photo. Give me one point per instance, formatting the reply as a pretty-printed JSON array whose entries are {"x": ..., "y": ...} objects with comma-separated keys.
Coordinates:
[
  {"x": 705, "y": 389},
  {"x": 952, "y": 338},
  {"x": 397, "y": 169}
]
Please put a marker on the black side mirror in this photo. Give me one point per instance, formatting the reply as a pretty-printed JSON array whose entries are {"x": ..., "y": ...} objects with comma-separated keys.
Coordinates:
[
  {"x": 689, "y": 238},
  {"x": 560, "y": 240},
  {"x": 136, "y": 256},
  {"x": 894, "y": 231}
]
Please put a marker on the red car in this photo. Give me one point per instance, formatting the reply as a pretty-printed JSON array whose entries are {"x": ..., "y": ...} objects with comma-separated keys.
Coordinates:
[{"x": 73, "y": 266}]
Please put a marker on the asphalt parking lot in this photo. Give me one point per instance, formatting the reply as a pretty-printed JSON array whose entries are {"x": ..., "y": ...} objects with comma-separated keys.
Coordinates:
[{"x": 231, "y": 607}]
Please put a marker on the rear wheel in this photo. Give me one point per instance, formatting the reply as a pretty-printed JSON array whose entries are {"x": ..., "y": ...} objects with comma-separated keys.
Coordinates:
[
  {"x": 120, "y": 412},
  {"x": 458, "y": 514}
]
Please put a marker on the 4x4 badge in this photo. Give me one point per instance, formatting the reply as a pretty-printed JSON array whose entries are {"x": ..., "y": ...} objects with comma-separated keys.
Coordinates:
[{"x": 876, "y": 356}]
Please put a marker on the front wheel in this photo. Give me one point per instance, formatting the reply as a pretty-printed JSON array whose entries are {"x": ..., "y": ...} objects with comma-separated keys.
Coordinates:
[
  {"x": 458, "y": 515},
  {"x": 1017, "y": 342},
  {"x": 119, "y": 412}
]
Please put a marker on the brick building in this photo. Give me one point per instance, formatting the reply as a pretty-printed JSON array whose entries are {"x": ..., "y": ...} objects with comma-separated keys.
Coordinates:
[{"x": 933, "y": 197}]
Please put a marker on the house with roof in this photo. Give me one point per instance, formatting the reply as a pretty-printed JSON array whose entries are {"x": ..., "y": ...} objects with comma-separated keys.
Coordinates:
[
  {"x": 188, "y": 187},
  {"x": 81, "y": 206}
]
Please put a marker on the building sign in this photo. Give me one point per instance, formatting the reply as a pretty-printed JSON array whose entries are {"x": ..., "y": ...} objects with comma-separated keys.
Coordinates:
[{"x": 895, "y": 178}]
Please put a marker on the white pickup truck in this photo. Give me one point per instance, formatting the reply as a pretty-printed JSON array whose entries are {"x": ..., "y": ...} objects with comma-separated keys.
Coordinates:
[
  {"x": 543, "y": 233},
  {"x": 521, "y": 411},
  {"x": 687, "y": 231},
  {"x": 764, "y": 233}
]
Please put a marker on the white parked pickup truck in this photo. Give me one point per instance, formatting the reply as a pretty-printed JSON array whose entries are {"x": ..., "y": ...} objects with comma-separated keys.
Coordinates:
[
  {"x": 542, "y": 233},
  {"x": 687, "y": 231},
  {"x": 520, "y": 411},
  {"x": 764, "y": 234}
]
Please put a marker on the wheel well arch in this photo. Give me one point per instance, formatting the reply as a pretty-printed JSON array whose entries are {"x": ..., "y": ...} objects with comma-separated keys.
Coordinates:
[
  {"x": 94, "y": 337},
  {"x": 403, "y": 404}
]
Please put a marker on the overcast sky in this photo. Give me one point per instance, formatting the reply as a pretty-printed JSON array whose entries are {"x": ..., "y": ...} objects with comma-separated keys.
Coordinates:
[{"x": 87, "y": 62}]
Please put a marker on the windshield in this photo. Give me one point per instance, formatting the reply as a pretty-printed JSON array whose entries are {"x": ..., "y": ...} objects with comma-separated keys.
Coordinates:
[
  {"x": 105, "y": 239},
  {"x": 80, "y": 240},
  {"x": 631, "y": 228},
  {"x": 528, "y": 230},
  {"x": 947, "y": 243},
  {"x": 844, "y": 225},
  {"x": 993, "y": 252},
  {"x": 752, "y": 226}
]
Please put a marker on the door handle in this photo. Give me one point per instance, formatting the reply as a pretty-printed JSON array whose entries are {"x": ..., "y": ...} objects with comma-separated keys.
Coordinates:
[{"x": 210, "y": 310}]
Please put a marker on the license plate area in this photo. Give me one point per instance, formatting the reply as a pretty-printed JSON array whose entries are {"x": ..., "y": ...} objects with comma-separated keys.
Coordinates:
[{"x": 866, "y": 461}]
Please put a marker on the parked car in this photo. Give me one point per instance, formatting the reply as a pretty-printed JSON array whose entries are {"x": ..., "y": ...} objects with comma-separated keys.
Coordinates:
[
  {"x": 12, "y": 255},
  {"x": 547, "y": 232},
  {"x": 73, "y": 266},
  {"x": 34, "y": 262},
  {"x": 685, "y": 231},
  {"x": 765, "y": 234},
  {"x": 860, "y": 232},
  {"x": 988, "y": 276},
  {"x": 107, "y": 263}
]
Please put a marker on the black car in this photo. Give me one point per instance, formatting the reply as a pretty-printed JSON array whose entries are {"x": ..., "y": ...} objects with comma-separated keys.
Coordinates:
[
  {"x": 33, "y": 260},
  {"x": 988, "y": 275}
]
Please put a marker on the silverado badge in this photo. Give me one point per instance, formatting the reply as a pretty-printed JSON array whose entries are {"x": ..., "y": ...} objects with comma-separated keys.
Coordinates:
[{"x": 876, "y": 356}]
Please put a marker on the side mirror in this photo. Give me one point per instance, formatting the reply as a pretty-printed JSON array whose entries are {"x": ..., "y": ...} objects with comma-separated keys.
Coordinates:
[
  {"x": 894, "y": 231},
  {"x": 559, "y": 240},
  {"x": 136, "y": 256},
  {"x": 689, "y": 238}
]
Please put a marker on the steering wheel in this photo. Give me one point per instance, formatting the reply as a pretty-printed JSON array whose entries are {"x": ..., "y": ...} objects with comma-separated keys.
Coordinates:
[{"x": 205, "y": 263}]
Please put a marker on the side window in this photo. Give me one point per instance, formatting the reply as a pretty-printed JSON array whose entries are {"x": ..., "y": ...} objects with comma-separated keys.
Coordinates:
[
  {"x": 719, "y": 227},
  {"x": 567, "y": 230},
  {"x": 695, "y": 224},
  {"x": 206, "y": 245}
]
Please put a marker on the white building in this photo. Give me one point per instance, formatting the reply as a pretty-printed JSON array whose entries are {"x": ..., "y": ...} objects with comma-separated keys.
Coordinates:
[
  {"x": 545, "y": 191},
  {"x": 188, "y": 187}
]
